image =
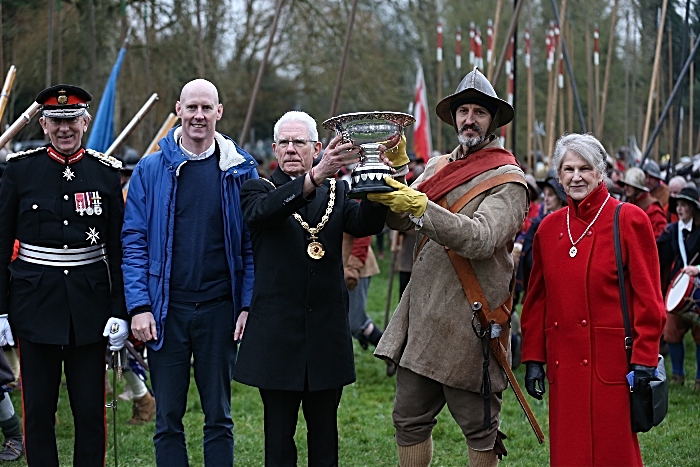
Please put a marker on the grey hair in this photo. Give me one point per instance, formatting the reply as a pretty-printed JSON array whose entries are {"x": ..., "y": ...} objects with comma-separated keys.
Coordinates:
[
  {"x": 678, "y": 180},
  {"x": 585, "y": 145},
  {"x": 299, "y": 117}
]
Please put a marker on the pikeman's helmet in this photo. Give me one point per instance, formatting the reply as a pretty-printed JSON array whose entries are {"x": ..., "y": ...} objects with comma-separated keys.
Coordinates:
[{"x": 476, "y": 89}]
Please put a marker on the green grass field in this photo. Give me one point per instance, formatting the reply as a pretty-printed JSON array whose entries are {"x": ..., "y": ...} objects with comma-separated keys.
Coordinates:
[{"x": 366, "y": 431}]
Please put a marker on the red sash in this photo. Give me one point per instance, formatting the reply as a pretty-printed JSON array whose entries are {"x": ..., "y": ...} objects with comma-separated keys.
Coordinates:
[{"x": 463, "y": 170}]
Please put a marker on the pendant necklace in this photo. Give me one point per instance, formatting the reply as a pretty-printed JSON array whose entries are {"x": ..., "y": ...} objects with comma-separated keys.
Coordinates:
[
  {"x": 574, "y": 250},
  {"x": 315, "y": 249}
]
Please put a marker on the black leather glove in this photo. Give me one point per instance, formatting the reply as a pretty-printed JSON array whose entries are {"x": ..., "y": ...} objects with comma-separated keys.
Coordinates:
[
  {"x": 534, "y": 379},
  {"x": 642, "y": 376}
]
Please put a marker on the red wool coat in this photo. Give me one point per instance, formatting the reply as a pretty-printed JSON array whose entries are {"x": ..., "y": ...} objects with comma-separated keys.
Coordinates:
[{"x": 572, "y": 321}]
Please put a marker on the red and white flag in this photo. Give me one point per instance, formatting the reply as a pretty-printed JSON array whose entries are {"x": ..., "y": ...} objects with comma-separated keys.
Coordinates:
[{"x": 421, "y": 129}]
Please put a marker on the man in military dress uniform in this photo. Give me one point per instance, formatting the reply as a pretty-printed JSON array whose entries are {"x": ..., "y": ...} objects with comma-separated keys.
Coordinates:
[{"x": 65, "y": 291}]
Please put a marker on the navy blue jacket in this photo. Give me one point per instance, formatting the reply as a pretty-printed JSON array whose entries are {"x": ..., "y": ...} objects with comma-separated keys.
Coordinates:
[{"x": 147, "y": 234}]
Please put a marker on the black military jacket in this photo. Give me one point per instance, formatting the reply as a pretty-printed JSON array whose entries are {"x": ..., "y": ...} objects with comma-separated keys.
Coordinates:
[
  {"x": 297, "y": 335},
  {"x": 44, "y": 202}
]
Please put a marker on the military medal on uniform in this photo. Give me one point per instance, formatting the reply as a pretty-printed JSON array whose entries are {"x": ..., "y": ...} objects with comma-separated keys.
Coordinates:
[
  {"x": 573, "y": 250},
  {"x": 315, "y": 249},
  {"x": 89, "y": 202}
]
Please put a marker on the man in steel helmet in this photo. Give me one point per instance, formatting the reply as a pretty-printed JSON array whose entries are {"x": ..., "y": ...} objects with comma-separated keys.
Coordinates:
[
  {"x": 430, "y": 337},
  {"x": 654, "y": 182}
]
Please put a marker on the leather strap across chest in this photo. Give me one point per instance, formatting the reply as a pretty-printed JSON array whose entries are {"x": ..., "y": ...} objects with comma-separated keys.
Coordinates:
[{"x": 463, "y": 267}]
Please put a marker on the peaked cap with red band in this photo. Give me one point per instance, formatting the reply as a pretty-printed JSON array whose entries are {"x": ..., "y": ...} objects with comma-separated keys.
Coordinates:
[{"x": 63, "y": 101}]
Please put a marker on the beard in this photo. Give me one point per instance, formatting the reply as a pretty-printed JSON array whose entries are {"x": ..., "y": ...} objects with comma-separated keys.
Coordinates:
[{"x": 471, "y": 141}]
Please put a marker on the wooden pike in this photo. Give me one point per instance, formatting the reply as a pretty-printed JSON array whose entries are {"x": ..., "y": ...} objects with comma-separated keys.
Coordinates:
[
  {"x": 589, "y": 76},
  {"x": 557, "y": 56},
  {"x": 654, "y": 74},
  {"x": 132, "y": 124},
  {"x": 20, "y": 123},
  {"x": 341, "y": 69},
  {"x": 596, "y": 64},
  {"x": 490, "y": 55},
  {"x": 6, "y": 88},
  {"x": 261, "y": 72},
  {"x": 690, "y": 103},
  {"x": 169, "y": 122},
  {"x": 511, "y": 30},
  {"x": 530, "y": 96},
  {"x": 606, "y": 81}
]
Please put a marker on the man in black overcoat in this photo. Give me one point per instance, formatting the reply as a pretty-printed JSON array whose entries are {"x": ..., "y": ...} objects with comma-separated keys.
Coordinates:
[
  {"x": 64, "y": 292},
  {"x": 296, "y": 347}
]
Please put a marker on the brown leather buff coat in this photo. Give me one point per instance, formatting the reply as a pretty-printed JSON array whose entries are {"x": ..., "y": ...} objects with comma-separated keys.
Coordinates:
[{"x": 430, "y": 332}]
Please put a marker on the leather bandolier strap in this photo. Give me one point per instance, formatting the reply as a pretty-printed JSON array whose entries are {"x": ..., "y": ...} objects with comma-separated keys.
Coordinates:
[{"x": 475, "y": 294}]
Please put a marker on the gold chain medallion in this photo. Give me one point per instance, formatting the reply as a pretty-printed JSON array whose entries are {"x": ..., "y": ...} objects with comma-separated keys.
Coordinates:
[{"x": 315, "y": 249}]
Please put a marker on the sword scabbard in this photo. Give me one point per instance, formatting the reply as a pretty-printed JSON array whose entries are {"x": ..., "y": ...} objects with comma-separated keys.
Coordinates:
[{"x": 500, "y": 354}]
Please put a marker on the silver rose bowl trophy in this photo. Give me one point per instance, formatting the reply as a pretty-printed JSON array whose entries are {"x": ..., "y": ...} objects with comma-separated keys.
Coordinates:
[{"x": 368, "y": 130}]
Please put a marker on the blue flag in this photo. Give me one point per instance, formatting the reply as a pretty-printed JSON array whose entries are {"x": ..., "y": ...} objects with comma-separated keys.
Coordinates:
[{"x": 102, "y": 134}]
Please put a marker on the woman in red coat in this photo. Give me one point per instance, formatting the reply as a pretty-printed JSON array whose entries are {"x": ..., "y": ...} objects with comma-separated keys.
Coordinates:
[{"x": 572, "y": 317}]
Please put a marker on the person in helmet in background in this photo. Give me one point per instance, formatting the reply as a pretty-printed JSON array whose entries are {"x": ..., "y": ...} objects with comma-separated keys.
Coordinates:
[
  {"x": 657, "y": 188},
  {"x": 638, "y": 194},
  {"x": 439, "y": 356}
]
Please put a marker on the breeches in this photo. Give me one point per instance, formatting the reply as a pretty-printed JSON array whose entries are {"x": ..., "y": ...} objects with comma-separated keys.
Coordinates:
[{"x": 419, "y": 400}]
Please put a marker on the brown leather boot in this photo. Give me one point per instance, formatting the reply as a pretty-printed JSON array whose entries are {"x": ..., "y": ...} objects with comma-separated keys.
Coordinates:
[
  {"x": 13, "y": 449},
  {"x": 143, "y": 410}
]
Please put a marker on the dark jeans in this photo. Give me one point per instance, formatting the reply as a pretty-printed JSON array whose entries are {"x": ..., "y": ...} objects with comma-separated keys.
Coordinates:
[
  {"x": 202, "y": 330},
  {"x": 84, "y": 366},
  {"x": 321, "y": 414}
]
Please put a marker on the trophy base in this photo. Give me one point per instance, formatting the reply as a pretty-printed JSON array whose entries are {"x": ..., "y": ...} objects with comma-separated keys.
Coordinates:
[
  {"x": 361, "y": 192},
  {"x": 369, "y": 181}
]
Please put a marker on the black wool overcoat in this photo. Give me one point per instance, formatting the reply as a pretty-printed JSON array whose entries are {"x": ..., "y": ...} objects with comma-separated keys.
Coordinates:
[{"x": 297, "y": 335}]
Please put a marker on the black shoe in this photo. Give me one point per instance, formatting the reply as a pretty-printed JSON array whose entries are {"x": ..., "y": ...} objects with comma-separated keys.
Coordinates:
[{"x": 13, "y": 449}]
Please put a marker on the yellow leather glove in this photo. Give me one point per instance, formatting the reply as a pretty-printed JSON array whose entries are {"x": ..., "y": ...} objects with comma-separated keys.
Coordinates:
[
  {"x": 397, "y": 155},
  {"x": 404, "y": 199}
]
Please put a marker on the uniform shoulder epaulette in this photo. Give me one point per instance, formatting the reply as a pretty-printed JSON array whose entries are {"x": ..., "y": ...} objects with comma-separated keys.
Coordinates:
[
  {"x": 22, "y": 154},
  {"x": 106, "y": 160}
]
